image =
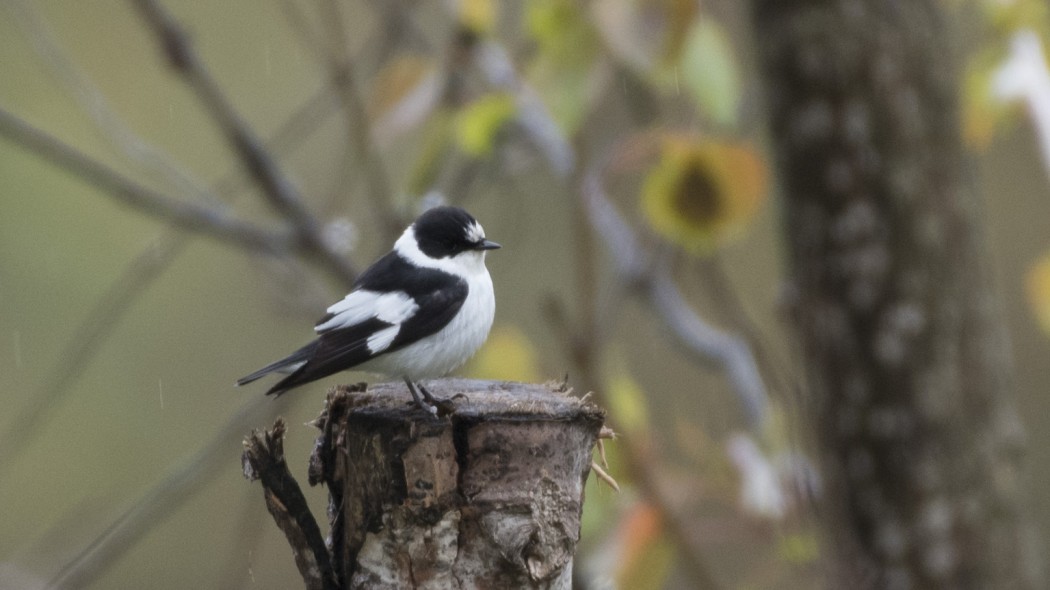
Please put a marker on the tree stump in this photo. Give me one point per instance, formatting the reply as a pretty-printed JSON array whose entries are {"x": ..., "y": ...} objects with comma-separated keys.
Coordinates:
[{"x": 489, "y": 496}]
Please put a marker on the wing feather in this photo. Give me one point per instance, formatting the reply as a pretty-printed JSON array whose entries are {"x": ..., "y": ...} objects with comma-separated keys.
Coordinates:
[
  {"x": 394, "y": 303},
  {"x": 362, "y": 305}
]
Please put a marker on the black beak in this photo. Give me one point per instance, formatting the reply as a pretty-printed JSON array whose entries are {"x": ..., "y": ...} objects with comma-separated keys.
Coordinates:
[{"x": 487, "y": 245}]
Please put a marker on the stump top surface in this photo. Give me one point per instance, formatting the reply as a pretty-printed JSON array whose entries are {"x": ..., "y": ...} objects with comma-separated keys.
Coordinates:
[{"x": 483, "y": 400}]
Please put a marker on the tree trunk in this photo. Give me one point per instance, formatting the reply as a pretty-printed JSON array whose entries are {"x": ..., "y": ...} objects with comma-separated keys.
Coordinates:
[
  {"x": 488, "y": 497},
  {"x": 898, "y": 324}
]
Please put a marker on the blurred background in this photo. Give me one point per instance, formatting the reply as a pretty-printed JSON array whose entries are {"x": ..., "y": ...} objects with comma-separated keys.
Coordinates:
[{"x": 144, "y": 267}]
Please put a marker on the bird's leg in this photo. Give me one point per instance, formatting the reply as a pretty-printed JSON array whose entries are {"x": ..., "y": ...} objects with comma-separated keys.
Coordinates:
[
  {"x": 441, "y": 407},
  {"x": 430, "y": 398},
  {"x": 415, "y": 395}
]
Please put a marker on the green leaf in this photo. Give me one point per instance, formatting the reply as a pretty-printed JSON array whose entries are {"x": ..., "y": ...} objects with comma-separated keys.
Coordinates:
[
  {"x": 564, "y": 90},
  {"x": 480, "y": 121},
  {"x": 799, "y": 548},
  {"x": 562, "y": 65},
  {"x": 561, "y": 31},
  {"x": 710, "y": 72}
]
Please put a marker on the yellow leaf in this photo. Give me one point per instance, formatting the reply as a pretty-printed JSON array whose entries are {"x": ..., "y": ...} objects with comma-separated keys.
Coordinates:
[
  {"x": 702, "y": 191},
  {"x": 1038, "y": 289},
  {"x": 982, "y": 114},
  {"x": 1008, "y": 17},
  {"x": 477, "y": 15},
  {"x": 627, "y": 403},
  {"x": 508, "y": 355},
  {"x": 479, "y": 123}
]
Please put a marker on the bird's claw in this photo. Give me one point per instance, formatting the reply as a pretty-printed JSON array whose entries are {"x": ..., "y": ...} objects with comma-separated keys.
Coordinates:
[
  {"x": 437, "y": 406},
  {"x": 444, "y": 407}
]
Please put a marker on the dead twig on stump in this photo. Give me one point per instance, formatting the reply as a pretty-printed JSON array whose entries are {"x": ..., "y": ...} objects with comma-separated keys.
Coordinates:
[{"x": 263, "y": 459}]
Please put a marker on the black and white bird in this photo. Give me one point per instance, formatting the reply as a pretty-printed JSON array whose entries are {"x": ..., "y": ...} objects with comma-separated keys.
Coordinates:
[{"x": 419, "y": 312}]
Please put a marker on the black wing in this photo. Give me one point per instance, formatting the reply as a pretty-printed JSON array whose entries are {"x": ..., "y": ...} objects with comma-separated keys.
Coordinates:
[
  {"x": 438, "y": 295},
  {"x": 334, "y": 351}
]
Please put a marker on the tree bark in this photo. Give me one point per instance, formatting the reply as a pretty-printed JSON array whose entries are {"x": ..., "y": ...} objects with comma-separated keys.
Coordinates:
[
  {"x": 488, "y": 497},
  {"x": 898, "y": 324}
]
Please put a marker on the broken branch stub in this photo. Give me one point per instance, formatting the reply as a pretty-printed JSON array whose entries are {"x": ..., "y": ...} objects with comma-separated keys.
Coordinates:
[{"x": 487, "y": 497}]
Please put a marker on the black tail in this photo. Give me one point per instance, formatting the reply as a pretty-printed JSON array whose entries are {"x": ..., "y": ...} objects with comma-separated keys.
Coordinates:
[
  {"x": 285, "y": 365},
  {"x": 298, "y": 377}
]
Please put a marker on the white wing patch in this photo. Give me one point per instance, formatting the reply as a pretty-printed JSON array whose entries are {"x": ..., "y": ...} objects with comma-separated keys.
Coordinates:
[
  {"x": 381, "y": 340},
  {"x": 363, "y": 305}
]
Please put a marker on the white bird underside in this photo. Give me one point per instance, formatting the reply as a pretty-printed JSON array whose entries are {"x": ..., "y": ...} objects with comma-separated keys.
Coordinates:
[{"x": 441, "y": 353}]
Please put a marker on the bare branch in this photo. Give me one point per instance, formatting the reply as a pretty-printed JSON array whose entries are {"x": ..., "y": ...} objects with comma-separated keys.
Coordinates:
[
  {"x": 263, "y": 459},
  {"x": 496, "y": 66},
  {"x": 183, "y": 481},
  {"x": 406, "y": 114},
  {"x": 306, "y": 33},
  {"x": 186, "y": 215},
  {"x": 94, "y": 103},
  {"x": 280, "y": 192},
  {"x": 90, "y": 336},
  {"x": 164, "y": 498},
  {"x": 343, "y": 77}
]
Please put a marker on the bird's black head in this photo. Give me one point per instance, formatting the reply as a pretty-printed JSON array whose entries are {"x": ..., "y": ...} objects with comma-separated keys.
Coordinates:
[{"x": 447, "y": 231}]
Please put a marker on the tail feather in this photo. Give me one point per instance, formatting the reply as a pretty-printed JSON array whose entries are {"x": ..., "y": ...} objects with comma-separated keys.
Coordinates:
[
  {"x": 297, "y": 378},
  {"x": 290, "y": 363}
]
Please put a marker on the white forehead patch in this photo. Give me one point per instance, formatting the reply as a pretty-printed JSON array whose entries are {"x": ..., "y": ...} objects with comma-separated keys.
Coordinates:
[{"x": 475, "y": 233}]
